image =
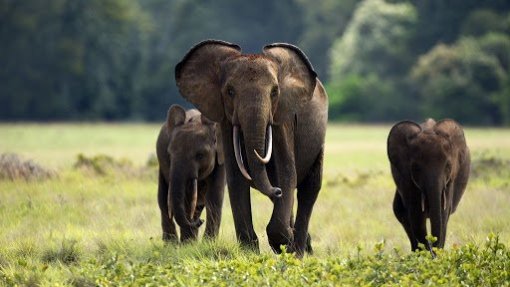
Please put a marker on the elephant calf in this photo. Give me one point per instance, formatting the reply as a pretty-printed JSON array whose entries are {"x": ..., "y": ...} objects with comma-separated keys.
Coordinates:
[
  {"x": 430, "y": 166},
  {"x": 191, "y": 174}
]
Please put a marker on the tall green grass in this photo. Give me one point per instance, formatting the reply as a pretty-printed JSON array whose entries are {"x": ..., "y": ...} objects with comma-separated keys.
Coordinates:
[{"x": 80, "y": 227}]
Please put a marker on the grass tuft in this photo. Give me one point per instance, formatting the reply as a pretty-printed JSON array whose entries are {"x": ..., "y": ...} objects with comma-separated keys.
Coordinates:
[{"x": 67, "y": 253}]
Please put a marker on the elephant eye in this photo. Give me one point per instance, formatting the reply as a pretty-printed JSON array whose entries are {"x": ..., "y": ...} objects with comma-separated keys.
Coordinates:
[
  {"x": 230, "y": 91},
  {"x": 448, "y": 168},
  {"x": 199, "y": 156},
  {"x": 274, "y": 92}
]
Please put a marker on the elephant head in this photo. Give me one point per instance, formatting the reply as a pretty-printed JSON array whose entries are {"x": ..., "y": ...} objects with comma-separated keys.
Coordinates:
[
  {"x": 192, "y": 150},
  {"x": 252, "y": 93}
]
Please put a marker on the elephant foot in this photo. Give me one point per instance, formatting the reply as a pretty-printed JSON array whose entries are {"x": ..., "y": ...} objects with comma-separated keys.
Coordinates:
[
  {"x": 170, "y": 237},
  {"x": 309, "y": 248},
  {"x": 251, "y": 246},
  {"x": 300, "y": 247},
  {"x": 249, "y": 242},
  {"x": 188, "y": 234},
  {"x": 280, "y": 238}
]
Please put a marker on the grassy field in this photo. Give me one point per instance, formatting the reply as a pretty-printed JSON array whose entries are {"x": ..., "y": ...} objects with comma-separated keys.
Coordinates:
[{"x": 84, "y": 229}]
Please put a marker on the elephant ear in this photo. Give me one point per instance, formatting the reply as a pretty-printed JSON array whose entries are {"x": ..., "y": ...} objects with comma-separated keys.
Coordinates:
[
  {"x": 176, "y": 116},
  {"x": 454, "y": 133},
  {"x": 296, "y": 78},
  {"x": 399, "y": 150},
  {"x": 216, "y": 133},
  {"x": 198, "y": 76}
]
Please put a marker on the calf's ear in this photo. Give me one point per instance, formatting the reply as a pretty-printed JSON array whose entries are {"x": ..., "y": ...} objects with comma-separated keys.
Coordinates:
[
  {"x": 454, "y": 133},
  {"x": 176, "y": 116},
  {"x": 399, "y": 150},
  {"x": 216, "y": 133}
]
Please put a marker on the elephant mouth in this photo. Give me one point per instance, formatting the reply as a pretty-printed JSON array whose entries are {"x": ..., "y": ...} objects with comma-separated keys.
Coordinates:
[
  {"x": 268, "y": 147},
  {"x": 237, "y": 137},
  {"x": 238, "y": 149}
]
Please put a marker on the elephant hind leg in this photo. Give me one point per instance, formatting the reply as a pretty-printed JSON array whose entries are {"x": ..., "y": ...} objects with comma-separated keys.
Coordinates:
[
  {"x": 401, "y": 214},
  {"x": 308, "y": 190},
  {"x": 418, "y": 222}
]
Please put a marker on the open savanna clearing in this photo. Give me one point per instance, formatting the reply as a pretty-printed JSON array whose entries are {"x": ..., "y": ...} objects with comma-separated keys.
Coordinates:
[{"x": 85, "y": 228}]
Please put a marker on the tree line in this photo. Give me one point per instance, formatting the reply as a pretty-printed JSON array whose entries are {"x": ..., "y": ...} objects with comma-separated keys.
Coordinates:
[{"x": 380, "y": 60}]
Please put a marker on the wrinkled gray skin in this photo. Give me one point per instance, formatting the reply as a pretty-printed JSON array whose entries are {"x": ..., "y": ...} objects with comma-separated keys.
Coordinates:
[
  {"x": 187, "y": 151},
  {"x": 279, "y": 89},
  {"x": 430, "y": 166}
]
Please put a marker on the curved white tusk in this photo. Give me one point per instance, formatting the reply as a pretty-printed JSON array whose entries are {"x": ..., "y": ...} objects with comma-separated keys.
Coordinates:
[
  {"x": 169, "y": 204},
  {"x": 422, "y": 202},
  {"x": 444, "y": 193},
  {"x": 269, "y": 144},
  {"x": 237, "y": 151},
  {"x": 194, "y": 199}
]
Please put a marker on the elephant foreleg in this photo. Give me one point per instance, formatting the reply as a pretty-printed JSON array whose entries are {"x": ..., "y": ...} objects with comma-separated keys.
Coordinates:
[
  {"x": 308, "y": 190},
  {"x": 279, "y": 231},
  {"x": 418, "y": 222},
  {"x": 282, "y": 169},
  {"x": 445, "y": 217},
  {"x": 167, "y": 224},
  {"x": 214, "y": 202},
  {"x": 193, "y": 208},
  {"x": 239, "y": 193}
]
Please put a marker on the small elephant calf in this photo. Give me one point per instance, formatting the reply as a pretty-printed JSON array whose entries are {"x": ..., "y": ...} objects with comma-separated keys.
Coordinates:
[
  {"x": 191, "y": 174},
  {"x": 430, "y": 165}
]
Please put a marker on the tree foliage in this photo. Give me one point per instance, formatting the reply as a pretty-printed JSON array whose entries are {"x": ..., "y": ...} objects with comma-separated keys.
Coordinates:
[
  {"x": 460, "y": 80},
  {"x": 70, "y": 59},
  {"x": 381, "y": 69},
  {"x": 370, "y": 61},
  {"x": 114, "y": 59}
]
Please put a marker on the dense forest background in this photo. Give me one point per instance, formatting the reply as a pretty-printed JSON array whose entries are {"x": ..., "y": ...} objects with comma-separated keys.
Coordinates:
[{"x": 380, "y": 60}]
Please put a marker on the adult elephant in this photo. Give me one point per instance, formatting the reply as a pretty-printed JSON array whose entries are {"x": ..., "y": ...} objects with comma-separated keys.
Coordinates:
[
  {"x": 272, "y": 112},
  {"x": 430, "y": 165}
]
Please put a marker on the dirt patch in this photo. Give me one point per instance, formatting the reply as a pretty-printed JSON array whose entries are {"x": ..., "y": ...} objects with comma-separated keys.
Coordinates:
[
  {"x": 356, "y": 179},
  {"x": 13, "y": 167},
  {"x": 105, "y": 165}
]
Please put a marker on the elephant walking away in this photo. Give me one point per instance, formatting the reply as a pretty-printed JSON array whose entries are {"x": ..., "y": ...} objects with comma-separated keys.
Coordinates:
[
  {"x": 430, "y": 165},
  {"x": 191, "y": 174},
  {"x": 272, "y": 111}
]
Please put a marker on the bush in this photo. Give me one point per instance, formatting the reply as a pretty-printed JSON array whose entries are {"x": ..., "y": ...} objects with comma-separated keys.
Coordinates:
[
  {"x": 12, "y": 167},
  {"x": 469, "y": 265},
  {"x": 460, "y": 81},
  {"x": 370, "y": 99},
  {"x": 105, "y": 165},
  {"x": 369, "y": 64}
]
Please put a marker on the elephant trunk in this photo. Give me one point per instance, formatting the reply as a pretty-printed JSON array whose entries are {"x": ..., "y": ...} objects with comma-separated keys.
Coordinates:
[
  {"x": 256, "y": 133},
  {"x": 434, "y": 192},
  {"x": 177, "y": 200}
]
